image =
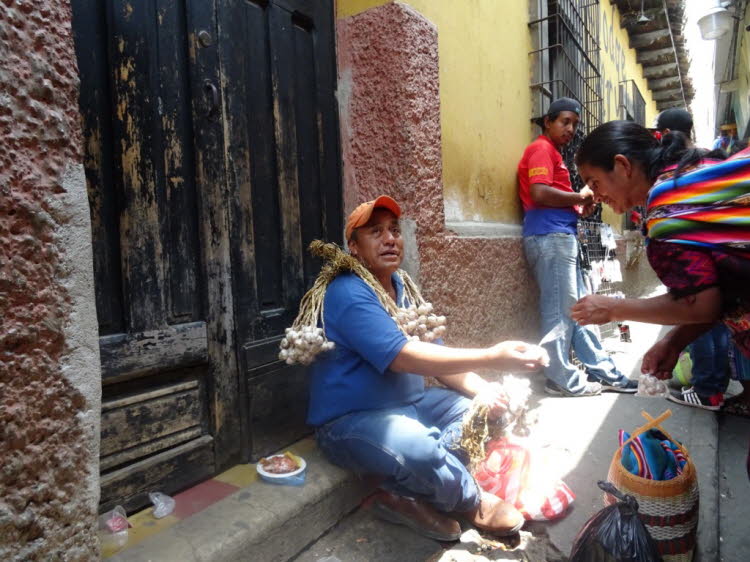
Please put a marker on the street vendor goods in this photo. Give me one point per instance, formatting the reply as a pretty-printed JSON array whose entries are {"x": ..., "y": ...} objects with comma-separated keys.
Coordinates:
[
  {"x": 669, "y": 505},
  {"x": 306, "y": 337}
]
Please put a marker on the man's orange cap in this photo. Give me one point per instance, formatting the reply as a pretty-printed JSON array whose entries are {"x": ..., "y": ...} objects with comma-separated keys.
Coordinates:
[{"x": 362, "y": 214}]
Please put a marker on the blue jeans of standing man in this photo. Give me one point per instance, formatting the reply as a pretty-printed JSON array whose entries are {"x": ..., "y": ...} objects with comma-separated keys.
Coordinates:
[
  {"x": 415, "y": 447},
  {"x": 554, "y": 262},
  {"x": 710, "y": 356}
]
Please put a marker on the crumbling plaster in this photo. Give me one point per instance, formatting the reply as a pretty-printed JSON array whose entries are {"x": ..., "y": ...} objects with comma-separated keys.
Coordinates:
[{"x": 49, "y": 361}]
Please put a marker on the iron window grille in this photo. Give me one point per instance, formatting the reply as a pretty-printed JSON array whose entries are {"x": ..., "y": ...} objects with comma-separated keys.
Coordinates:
[{"x": 566, "y": 57}]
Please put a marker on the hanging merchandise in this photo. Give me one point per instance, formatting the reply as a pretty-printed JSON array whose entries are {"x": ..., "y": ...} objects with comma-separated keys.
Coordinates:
[
  {"x": 306, "y": 338},
  {"x": 607, "y": 237},
  {"x": 616, "y": 271},
  {"x": 586, "y": 275},
  {"x": 597, "y": 274},
  {"x": 612, "y": 271}
]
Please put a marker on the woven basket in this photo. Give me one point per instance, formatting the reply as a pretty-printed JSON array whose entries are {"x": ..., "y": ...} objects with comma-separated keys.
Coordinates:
[{"x": 668, "y": 508}]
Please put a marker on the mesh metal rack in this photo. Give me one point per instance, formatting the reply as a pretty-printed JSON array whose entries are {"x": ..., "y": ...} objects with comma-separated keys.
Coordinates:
[{"x": 589, "y": 237}]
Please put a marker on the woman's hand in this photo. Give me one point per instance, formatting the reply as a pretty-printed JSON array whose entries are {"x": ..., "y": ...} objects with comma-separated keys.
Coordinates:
[
  {"x": 660, "y": 360},
  {"x": 518, "y": 355},
  {"x": 593, "y": 309}
]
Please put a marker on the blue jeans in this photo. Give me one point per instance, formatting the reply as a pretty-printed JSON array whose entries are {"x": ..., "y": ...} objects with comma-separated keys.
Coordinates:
[
  {"x": 710, "y": 356},
  {"x": 554, "y": 261},
  {"x": 415, "y": 447}
]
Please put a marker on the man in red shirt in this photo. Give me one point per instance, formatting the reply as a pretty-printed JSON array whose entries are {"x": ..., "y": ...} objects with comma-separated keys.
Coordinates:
[{"x": 551, "y": 210}]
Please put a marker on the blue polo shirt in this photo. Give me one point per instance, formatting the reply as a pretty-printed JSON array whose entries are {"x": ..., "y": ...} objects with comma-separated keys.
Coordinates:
[{"x": 354, "y": 376}]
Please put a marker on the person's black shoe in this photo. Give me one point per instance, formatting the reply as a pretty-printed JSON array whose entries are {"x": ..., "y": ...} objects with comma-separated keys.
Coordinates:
[{"x": 623, "y": 385}]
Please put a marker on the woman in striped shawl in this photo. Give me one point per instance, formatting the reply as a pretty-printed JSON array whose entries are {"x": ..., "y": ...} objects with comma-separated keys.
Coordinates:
[{"x": 697, "y": 225}]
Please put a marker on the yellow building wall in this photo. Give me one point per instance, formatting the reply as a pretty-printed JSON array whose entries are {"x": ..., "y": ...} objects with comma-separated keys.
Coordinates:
[
  {"x": 485, "y": 73},
  {"x": 618, "y": 63}
]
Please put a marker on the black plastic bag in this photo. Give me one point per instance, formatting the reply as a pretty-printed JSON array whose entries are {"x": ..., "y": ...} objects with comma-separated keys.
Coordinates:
[{"x": 615, "y": 534}]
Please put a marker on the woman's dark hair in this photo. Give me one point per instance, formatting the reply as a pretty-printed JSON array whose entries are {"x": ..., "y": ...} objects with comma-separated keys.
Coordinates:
[{"x": 637, "y": 144}]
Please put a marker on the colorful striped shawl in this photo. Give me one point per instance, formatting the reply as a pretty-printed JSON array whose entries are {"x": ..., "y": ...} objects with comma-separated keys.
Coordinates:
[{"x": 709, "y": 206}]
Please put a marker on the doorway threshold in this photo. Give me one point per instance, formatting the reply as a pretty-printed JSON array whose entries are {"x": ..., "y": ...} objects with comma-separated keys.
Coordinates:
[{"x": 236, "y": 515}]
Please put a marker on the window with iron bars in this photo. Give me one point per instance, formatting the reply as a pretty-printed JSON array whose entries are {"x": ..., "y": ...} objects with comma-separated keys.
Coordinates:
[
  {"x": 566, "y": 56},
  {"x": 632, "y": 104},
  {"x": 566, "y": 63}
]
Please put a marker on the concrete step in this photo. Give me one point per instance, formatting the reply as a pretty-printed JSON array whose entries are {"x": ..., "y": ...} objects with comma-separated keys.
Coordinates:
[{"x": 261, "y": 522}]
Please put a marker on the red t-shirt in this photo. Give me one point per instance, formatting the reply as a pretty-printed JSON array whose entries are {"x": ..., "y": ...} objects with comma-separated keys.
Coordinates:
[{"x": 541, "y": 163}]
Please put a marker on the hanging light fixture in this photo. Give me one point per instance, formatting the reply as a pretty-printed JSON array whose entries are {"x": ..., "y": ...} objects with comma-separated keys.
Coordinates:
[
  {"x": 715, "y": 23},
  {"x": 642, "y": 17}
]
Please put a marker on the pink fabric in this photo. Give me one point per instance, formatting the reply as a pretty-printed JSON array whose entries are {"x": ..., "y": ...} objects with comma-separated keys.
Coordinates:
[{"x": 514, "y": 474}]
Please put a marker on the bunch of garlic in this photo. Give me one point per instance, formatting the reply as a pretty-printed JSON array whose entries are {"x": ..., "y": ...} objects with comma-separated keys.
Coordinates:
[
  {"x": 303, "y": 344},
  {"x": 419, "y": 323}
]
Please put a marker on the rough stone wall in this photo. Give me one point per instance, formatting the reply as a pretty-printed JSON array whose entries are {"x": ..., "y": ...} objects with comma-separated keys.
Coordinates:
[
  {"x": 49, "y": 363},
  {"x": 389, "y": 101}
]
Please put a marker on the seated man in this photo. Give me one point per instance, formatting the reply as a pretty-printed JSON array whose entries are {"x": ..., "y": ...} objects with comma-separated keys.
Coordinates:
[{"x": 369, "y": 404}]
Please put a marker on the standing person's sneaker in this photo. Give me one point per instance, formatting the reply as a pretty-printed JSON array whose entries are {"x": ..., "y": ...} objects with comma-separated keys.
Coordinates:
[
  {"x": 623, "y": 385},
  {"x": 591, "y": 389},
  {"x": 420, "y": 516},
  {"x": 689, "y": 397}
]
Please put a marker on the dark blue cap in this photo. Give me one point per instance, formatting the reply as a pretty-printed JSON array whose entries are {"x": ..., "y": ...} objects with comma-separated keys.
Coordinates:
[{"x": 564, "y": 104}]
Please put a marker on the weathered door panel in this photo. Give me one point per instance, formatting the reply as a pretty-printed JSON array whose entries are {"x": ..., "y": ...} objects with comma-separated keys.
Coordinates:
[
  {"x": 212, "y": 161},
  {"x": 277, "y": 64},
  {"x": 140, "y": 161}
]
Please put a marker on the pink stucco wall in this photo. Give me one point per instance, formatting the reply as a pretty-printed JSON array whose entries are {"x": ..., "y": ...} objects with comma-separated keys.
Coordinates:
[
  {"x": 390, "y": 133},
  {"x": 47, "y": 511}
]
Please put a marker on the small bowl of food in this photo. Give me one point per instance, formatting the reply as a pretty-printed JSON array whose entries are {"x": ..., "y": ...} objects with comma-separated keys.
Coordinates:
[{"x": 286, "y": 468}]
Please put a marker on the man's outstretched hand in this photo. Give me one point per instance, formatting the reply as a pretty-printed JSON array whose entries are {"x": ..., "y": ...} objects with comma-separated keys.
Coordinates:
[{"x": 518, "y": 355}]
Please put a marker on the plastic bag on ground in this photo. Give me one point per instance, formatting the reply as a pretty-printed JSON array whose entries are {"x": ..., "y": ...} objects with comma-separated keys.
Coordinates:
[
  {"x": 649, "y": 385},
  {"x": 615, "y": 534},
  {"x": 163, "y": 504},
  {"x": 113, "y": 530}
]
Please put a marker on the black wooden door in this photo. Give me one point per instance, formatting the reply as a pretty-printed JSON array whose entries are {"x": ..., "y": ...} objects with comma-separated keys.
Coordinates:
[
  {"x": 211, "y": 156},
  {"x": 142, "y": 142},
  {"x": 283, "y": 173}
]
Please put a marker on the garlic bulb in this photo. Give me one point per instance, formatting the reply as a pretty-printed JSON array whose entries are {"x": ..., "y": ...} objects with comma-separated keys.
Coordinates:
[
  {"x": 419, "y": 323},
  {"x": 303, "y": 344}
]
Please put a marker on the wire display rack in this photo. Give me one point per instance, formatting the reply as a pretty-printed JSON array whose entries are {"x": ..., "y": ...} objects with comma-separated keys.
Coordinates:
[{"x": 592, "y": 250}]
